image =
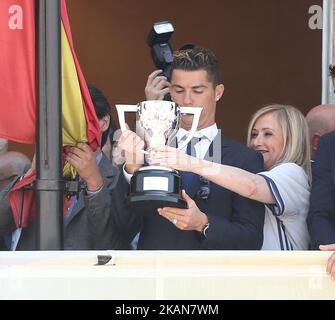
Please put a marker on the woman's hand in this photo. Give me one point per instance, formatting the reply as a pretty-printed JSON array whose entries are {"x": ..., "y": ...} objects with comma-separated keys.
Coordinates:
[{"x": 172, "y": 158}]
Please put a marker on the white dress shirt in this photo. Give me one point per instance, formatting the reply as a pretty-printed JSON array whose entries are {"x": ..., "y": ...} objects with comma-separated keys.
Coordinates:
[{"x": 202, "y": 146}]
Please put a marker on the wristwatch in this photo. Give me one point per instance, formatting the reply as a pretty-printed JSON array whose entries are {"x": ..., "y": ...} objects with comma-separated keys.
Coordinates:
[{"x": 205, "y": 229}]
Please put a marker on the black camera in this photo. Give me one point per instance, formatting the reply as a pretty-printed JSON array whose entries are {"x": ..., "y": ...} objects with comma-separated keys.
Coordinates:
[{"x": 161, "y": 51}]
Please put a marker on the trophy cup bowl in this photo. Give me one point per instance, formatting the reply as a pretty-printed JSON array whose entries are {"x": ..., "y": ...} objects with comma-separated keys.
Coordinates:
[{"x": 157, "y": 123}]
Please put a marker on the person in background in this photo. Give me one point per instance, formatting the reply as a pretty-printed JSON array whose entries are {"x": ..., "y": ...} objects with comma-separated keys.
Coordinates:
[
  {"x": 320, "y": 120},
  {"x": 12, "y": 163},
  {"x": 108, "y": 147},
  {"x": 280, "y": 134},
  {"x": 321, "y": 216}
]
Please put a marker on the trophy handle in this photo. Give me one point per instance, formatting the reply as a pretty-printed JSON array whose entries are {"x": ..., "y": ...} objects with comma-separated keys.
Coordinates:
[
  {"x": 121, "y": 110},
  {"x": 196, "y": 111}
]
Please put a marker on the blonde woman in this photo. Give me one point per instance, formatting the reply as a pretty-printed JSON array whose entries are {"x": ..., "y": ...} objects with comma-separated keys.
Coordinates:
[{"x": 280, "y": 134}]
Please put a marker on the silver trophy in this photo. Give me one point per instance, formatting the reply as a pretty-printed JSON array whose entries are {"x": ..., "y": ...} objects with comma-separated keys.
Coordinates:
[{"x": 157, "y": 123}]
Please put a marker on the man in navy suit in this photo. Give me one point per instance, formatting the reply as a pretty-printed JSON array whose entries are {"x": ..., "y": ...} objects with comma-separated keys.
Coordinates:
[
  {"x": 218, "y": 218},
  {"x": 321, "y": 216}
]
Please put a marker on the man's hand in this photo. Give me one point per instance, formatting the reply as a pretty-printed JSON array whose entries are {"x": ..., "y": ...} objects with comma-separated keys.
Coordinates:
[
  {"x": 84, "y": 161},
  {"x": 157, "y": 86},
  {"x": 185, "y": 219},
  {"x": 131, "y": 147}
]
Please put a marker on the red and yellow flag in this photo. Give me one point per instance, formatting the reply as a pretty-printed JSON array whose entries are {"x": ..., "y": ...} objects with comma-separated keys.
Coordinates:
[
  {"x": 79, "y": 120},
  {"x": 74, "y": 84},
  {"x": 18, "y": 91}
]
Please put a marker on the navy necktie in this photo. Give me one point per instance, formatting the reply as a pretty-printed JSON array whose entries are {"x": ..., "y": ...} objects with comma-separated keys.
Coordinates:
[{"x": 186, "y": 177}]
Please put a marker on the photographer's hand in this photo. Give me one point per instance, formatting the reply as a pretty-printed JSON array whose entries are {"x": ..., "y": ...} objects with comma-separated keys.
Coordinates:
[{"x": 157, "y": 86}]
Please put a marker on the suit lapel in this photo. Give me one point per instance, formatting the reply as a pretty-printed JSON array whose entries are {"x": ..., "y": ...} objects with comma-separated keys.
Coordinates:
[
  {"x": 192, "y": 184},
  {"x": 194, "y": 180},
  {"x": 217, "y": 144},
  {"x": 80, "y": 204},
  {"x": 220, "y": 143}
]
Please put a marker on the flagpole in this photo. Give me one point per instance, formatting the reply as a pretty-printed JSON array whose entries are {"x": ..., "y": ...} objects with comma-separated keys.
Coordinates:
[{"x": 49, "y": 184}]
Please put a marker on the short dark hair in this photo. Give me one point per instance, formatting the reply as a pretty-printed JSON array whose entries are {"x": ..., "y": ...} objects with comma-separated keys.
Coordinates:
[
  {"x": 102, "y": 108},
  {"x": 198, "y": 58},
  {"x": 332, "y": 70}
]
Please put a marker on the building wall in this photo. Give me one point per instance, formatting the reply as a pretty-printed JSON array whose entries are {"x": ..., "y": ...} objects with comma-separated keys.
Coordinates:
[{"x": 267, "y": 51}]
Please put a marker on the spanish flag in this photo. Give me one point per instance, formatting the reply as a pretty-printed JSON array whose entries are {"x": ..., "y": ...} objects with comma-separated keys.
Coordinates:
[
  {"x": 18, "y": 92},
  {"x": 79, "y": 120}
]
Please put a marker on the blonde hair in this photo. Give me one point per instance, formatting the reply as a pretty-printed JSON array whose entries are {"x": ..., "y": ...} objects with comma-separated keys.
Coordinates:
[{"x": 294, "y": 127}]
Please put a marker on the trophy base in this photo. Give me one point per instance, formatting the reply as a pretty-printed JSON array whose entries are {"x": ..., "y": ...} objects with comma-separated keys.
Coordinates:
[
  {"x": 154, "y": 187},
  {"x": 149, "y": 203}
]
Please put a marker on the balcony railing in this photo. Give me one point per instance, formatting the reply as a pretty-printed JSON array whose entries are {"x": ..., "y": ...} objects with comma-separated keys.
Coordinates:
[{"x": 165, "y": 275}]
